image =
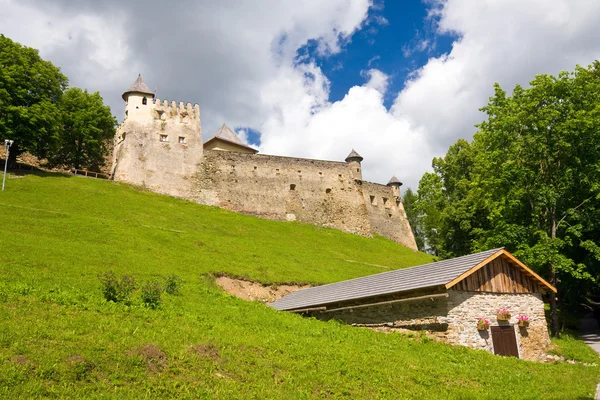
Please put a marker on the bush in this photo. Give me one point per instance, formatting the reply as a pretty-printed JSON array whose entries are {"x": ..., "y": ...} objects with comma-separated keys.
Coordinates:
[
  {"x": 151, "y": 292},
  {"x": 114, "y": 289},
  {"x": 172, "y": 284}
]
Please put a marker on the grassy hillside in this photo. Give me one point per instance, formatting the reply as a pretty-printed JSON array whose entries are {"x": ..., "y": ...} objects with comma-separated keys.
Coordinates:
[{"x": 59, "y": 338}]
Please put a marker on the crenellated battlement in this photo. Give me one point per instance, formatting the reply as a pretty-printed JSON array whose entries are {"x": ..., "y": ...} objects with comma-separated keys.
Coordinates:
[{"x": 164, "y": 110}]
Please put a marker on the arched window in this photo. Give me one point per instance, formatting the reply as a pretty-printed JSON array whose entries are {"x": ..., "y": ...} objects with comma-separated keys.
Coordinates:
[{"x": 144, "y": 101}]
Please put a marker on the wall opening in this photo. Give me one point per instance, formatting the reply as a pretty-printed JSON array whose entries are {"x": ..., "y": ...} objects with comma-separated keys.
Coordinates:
[
  {"x": 398, "y": 203},
  {"x": 373, "y": 201},
  {"x": 144, "y": 101},
  {"x": 385, "y": 201},
  {"x": 328, "y": 190},
  {"x": 357, "y": 169},
  {"x": 181, "y": 139},
  {"x": 163, "y": 138},
  {"x": 292, "y": 187}
]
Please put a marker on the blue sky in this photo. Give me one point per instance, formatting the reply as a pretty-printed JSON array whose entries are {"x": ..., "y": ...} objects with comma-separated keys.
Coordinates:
[{"x": 247, "y": 64}]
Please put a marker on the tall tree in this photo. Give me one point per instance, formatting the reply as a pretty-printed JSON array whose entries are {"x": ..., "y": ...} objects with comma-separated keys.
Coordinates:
[
  {"x": 30, "y": 91},
  {"x": 409, "y": 201},
  {"x": 531, "y": 182},
  {"x": 86, "y": 127}
]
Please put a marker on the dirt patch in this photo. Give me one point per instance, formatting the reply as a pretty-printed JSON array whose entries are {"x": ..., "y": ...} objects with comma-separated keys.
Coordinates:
[
  {"x": 255, "y": 291},
  {"x": 205, "y": 350},
  {"x": 155, "y": 358},
  {"x": 20, "y": 360}
]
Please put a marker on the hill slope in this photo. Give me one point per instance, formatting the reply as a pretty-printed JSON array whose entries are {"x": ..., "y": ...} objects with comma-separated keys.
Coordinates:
[{"x": 58, "y": 337}]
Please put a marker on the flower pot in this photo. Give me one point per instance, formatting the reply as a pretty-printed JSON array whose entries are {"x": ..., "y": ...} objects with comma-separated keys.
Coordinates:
[
  {"x": 523, "y": 323},
  {"x": 503, "y": 317}
]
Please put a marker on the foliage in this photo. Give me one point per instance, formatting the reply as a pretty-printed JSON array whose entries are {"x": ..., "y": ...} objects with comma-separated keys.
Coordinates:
[
  {"x": 114, "y": 289},
  {"x": 30, "y": 93},
  {"x": 59, "y": 339},
  {"x": 87, "y": 127},
  {"x": 151, "y": 294},
  {"x": 410, "y": 207},
  {"x": 529, "y": 181},
  {"x": 173, "y": 284}
]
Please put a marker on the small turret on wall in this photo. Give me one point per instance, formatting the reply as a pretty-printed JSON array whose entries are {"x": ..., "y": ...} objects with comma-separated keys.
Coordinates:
[
  {"x": 354, "y": 159},
  {"x": 395, "y": 184}
]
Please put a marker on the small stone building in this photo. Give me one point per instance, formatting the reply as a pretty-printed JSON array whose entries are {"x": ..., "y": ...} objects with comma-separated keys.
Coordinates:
[
  {"x": 445, "y": 298},
  {"x": 226, "y": 140}
]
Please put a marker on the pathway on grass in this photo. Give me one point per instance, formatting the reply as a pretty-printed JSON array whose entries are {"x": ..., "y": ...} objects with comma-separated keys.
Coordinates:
[{"x": 590, "y": 334}]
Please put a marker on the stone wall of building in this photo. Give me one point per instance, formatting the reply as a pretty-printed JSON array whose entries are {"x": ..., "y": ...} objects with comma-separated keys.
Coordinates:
[
  {"x": 159, "y": 146},
  {"x": 454, "y": 318},
  {"x": 465, "y": 307},
  {"x": 284, "y": 188},
  {"x": 387, "y": 215}
]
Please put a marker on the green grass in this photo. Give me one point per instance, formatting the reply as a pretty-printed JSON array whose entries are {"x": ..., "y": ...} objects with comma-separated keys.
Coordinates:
[
  {"x": 59, "y": 338},
  {"x": 571, "y": 348}
]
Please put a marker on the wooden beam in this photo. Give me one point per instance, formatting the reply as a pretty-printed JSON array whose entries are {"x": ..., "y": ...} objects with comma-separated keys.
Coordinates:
[
  {"x": 528, "y": 270},
  {"x": 430, "y": 296},
  {"x": 474, "y": 269},
  {"x": 301, "y": 310}
]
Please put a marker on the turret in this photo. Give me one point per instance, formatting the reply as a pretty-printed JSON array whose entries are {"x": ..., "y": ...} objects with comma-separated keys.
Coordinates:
[
  {"x": 354, "y": 159},
  {"x": 395, "y": 184},
  {"x": 138, "y": 99}
]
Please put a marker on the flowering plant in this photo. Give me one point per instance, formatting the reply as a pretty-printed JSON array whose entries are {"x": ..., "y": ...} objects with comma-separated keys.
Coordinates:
[
  {"x": 503, "y": 314},
  {"x": 482, "y": 324},
  {"x": 523, "y": 320}
]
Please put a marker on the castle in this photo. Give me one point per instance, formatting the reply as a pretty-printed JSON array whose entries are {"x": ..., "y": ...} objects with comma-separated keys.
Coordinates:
[{"x": 159, "y": 146}]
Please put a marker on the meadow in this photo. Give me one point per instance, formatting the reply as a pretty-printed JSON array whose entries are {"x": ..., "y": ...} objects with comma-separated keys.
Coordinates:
[{"x": 60, "y": 338}]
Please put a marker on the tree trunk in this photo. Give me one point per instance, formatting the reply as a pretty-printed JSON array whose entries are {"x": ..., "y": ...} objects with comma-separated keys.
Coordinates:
[
  {"x": 554, "y": 329},
  {"x": 12, "y": 156}
]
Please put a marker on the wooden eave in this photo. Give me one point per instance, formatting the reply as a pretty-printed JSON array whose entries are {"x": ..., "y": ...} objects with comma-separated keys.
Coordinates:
[{"x": 512, "y": 259}]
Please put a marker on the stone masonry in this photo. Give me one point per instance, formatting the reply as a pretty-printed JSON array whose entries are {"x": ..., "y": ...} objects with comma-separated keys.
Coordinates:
[{"x": 159, "y": 146}]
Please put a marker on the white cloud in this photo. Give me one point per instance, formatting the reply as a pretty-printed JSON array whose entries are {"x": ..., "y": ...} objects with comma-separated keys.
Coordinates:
[{"x": 237, "y": 59}]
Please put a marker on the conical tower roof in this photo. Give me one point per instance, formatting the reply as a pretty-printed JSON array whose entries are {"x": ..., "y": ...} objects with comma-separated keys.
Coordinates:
[
  {"x": 227, "y": 134},
  {"x": 394, "y": 181},
  {"x": 354, "y": 156},
  {"x": 139, "y": 86}
]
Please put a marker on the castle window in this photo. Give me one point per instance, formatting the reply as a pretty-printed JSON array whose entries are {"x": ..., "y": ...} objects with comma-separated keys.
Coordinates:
[
  {"x": 357, "y": 169},
  {"x": 163, "y": 138},
  {"x": 385, "y": 201},
  {"x": 292, "y": 187},
  {"x": 328, "y": 190},
  {"x": 397, "y": 203},
  {"x": 373, "y": 201},
  {"x": 144, "y": 101},
  {"x": 181, "y": 139}
]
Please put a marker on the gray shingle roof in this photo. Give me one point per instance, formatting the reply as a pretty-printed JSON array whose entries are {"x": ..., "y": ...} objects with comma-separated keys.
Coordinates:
[
  {"x": 400, "y": 280},
  {"x": 394, "y": 181},
  {"x": 226, "y": 134},
  {"x": 139, "y": 86},
  {"x": 354, "y": 155}
]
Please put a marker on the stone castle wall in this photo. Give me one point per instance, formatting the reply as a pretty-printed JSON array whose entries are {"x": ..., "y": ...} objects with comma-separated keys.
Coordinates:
[
  {"x": 148, "y": 151},
  {"x": 454, "y": 318},
  {"x": 312, "y": 191},
  {"x": 387, "y": 215}
]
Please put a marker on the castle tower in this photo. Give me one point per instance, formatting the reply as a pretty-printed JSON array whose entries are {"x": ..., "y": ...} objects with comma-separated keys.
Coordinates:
[
  {"x": 354, "y": 159},
  {"x": 395, "y": 184},
  {"x": 138, "y": 100},
  {"x": 158, "y": 145}
]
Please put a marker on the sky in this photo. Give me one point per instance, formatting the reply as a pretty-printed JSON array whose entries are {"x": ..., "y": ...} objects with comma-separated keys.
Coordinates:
[{"x": 398, "y": 81}]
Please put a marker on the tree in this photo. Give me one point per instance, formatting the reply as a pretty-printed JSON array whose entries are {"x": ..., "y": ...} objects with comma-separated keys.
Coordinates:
[
  {"x": 530, "y": 182},
  {"x": 86, "y": 127},
  {"x": 412, "y": 215},
  {"x": 30, "y": 91}
]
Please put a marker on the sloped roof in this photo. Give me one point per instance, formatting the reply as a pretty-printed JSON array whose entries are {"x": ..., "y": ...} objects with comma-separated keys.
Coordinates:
[
  {"x": 394, "y": 181},
  {"x": 354, "y": 154},
  {"x": 139, "y": 86},
  {"x": 226, "y": 134}
]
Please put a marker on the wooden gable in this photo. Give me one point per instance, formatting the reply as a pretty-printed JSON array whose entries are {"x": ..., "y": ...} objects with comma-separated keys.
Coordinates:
[{"x": 501, "y": 273}]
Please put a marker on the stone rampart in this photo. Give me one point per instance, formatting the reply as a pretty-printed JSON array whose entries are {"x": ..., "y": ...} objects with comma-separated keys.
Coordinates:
[
  {"x": 284, "y": 188},
  {"x": 387, "y": 215}
]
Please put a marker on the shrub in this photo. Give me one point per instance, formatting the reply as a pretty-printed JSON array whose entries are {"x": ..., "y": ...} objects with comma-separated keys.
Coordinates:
[
  {"x": 114, "y": 289},
  {"x": 172, "y": 284},
  {"x": 151, "y": 294}
]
